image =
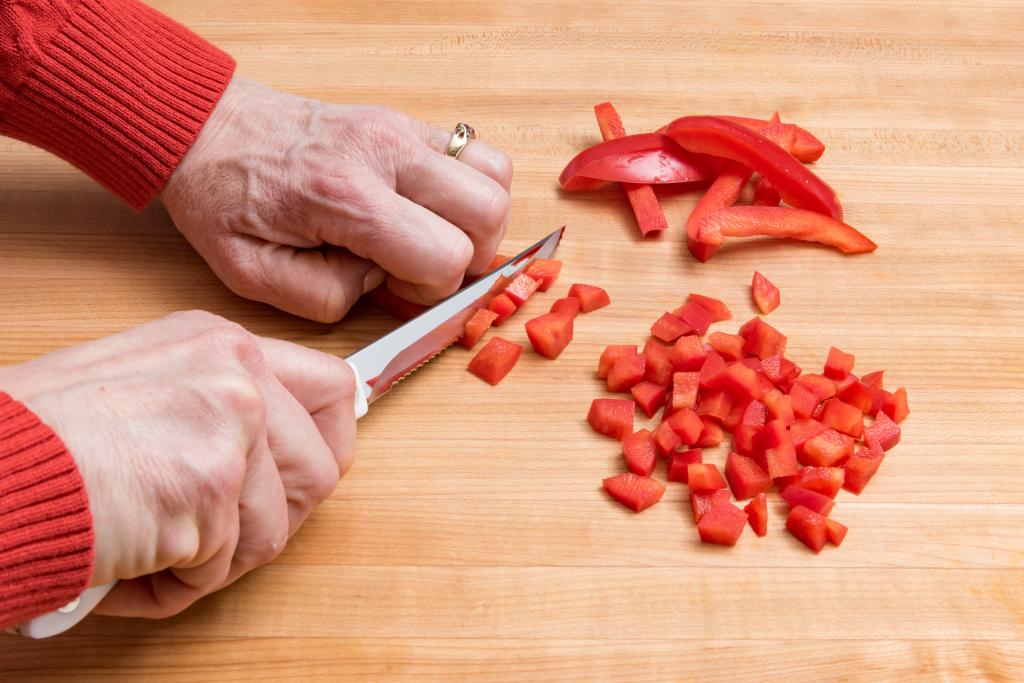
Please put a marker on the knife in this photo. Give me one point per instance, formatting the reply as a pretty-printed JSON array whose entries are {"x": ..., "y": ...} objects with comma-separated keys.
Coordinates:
[{"x": 377, "y": 367}]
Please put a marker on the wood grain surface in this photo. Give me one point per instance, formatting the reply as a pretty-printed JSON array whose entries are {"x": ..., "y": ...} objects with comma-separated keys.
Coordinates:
[{"x": 471, "y": 540}]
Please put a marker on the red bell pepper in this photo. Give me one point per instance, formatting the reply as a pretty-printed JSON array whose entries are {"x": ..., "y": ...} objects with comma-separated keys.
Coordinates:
[
  {"x": 806, "y": 147},
  {"x": 895, "y": 405},
  {"x": 495, "y": 360},
  {"x": 839, "y": 364},
  {"x": 649, "y": 397},
  {"x": 723, "y": 524},
  {"x": 774, "y": 451},
  {"x": 835, "y": 532},
  {"x": 611, "y": 354},
  {"x": 796, "y": 184},
  {"x": 627, "y": 371},
  {"x": 795, "y": 496},
  {"x": 659, "y": 363},
  {"x": 476, "y": 326},
  {"x": 686, "y": 424},
  {"x": 668, "y": 328},
  {"x": 711, "y": 436},
  {"x": 666, "y": 440},
  {"x": 822, "y": 387},
  {"x": 612, "y": 417},
  {"x": 678, "y": 464},
  {"x": 843, "y": 417},
  {"x": 635, "y": 492},
  {"x": 857, "y": 394},
  {"x": 711, "y": 370},
  {"x": 503, "y": 306},
  {"x": 827, "y": 449},
  {"x": 648, "y": 158},
  {"x": 781, "y": 408},
  {"x": 746, "y": 479},
  {"x": 765, "y": 194},
  {"x": 545, "y": 271},
  {"x": 685, "y": 386},
  {"x": 780, "y": 370},
  {"x": 702, "y": 502},
  {"x": 718, "y": 310},
  {"x": 808, "y": 526},
  {"x": 728, "y": 346},
  {"x": 649, "y": 214},
  {"x": 874, "y": 380},
  {"x": 569, "y": 306},
  {"x": 778, "y": 221},
  {"x": 803, "y": 430},
  {"x": 688, "y": 353},
  {"x": 757, "y": 514},
  {"x": 695, "y": 315},
  {"x": 591, "y": 297},
  {"x": 763, "y": 340},
  {"x": 722, "y": 193},
  {"x": 861, "y": 466},
  {"x": 550, "y": 334},
  {"x": 766, "y": 295},
  {"x": 824, "y": 480},
  {"x": 883, "y": 431},
  {"x": 704, "y": 477},
  {"x": 521, "y": 288},
  {"x": 639, "y": 451},
  {"x": 751, "y": 422}
]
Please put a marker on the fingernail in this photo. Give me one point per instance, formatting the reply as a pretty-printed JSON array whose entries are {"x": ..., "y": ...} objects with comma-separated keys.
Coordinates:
[{"x": 373, "y": 278}]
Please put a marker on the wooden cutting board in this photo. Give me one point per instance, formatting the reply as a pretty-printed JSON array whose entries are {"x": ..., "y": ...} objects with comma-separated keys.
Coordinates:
[{"x": 471, "y": 540}]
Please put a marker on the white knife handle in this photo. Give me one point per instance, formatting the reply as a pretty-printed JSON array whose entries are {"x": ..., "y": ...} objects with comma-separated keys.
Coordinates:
[{"x": 61, "y": 620}]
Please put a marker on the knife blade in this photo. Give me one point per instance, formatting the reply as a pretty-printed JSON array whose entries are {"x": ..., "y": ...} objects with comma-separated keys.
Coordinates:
[{"x": 378, "y": 367}]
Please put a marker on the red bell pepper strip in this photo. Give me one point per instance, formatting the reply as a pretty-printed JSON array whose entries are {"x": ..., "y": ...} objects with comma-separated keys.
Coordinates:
[
  {"x": 796, "y": 184},
  {"x": 776, "y": 221},
  {"x": 648, "y": 159},
  {"x": 806, "y": 147},
  {"x": 766, "y": 295},
  {"x": 649, "y": 214},
  {"x": 765, "y": 194},
  {"x": 723, "y": 193},
  {"x": 635, "y": 492}
]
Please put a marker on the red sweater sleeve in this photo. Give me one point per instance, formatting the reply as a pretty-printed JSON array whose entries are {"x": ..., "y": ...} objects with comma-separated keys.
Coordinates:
[
  {"x": 112, "y": 86},
  {"x": 45, "y": 526}
]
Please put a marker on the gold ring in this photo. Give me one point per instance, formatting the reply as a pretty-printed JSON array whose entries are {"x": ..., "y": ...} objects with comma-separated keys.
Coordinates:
[{"x": 461, "y": 136}]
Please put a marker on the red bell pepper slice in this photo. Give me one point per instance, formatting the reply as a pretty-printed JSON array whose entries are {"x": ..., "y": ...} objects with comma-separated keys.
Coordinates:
[
  {"x": 627, "y": 372},
  {"x": 808, "y": 526},
  {"x": 678, "y": 464},
  {"x": 824, "y": 480},
  {"x": 895, "y": 405},
  {"x": 722, "y": 193},
  {"x": 816, "y": 502},
  {"x": 722, "y": 525},
  {"x": 686, "y": 424},
  {"x": 835, "y": 532},
  {"x": 765, "y": 194},
  {"x": 503, "y": 306},
  {"x": 649, "y": 214},
  {"x": 861, "y": 466},
  {"x": 635, "y": 492},
  {"x": 702, "y": 502},
  {"x": 569, "y": 306},
  {"x": 806, "y": 147},
  {"x": 685, "y": 386},
  {"x": 495, "y": 360},
  {"x": 666, "y": 440},
  {"x": 704, "y": 477},
  {"x": 746, "y": 479},
  {"x": 612, "y": 353},
  {"x": 778, "y": 221},
  {"x": 695, "y": 315},
  {"x": 843, "y": 417},
  {"x": 545, "y": 271},
  {"x": 612, "y": 417},
  {"x": 668, "y": 328},
  {"x": 766, "y": 295},
  {"x": 728, "y": 346},
  {"x": 659, "y": 363},
  {"x": 648, "y": 159},
  {"x": 521, "y": 288},
  {"x": 718, "y": 310},
  {"x": 639, "y": 451},
  {"x": 649, "y": 397},
  {"x": 796, "y": 184},
  {"x": 757, "y": 514},
  {"x": 591, "y": 297},
  {"x": 476, "y": 326},
  {"x": 711, "y": 436},
  {"x": 688, "y": 353},
  {"x": 883, "y": 432},
  {"x": 550, "y": 334}
]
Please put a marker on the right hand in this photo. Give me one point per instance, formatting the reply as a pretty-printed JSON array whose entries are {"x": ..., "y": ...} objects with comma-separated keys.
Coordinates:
[{"x": 202, "y": 448}]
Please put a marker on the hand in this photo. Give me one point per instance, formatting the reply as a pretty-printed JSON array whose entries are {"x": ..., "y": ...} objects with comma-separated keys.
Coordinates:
[
  {"x": 202, "y": 447},
  {"x": 307, "y": 205}
]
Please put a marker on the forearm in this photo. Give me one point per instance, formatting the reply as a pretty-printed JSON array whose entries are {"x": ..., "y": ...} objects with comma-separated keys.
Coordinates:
[{"x": 112, "y": 86}]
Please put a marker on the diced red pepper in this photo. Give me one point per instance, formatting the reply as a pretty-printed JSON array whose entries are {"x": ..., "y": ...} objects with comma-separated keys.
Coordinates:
[
  {"x": 686, "y": 424},
  {"x": 839, "y": 364},
  {"x": 781, "y": 371},
  {"x": 774, "y": 451},
  {"x": 728, "y": 346},
  {"x": 715, "y": 405},
  {"x": 781, "y": 408},
  {"x": 844, "y": 383},
  {"x": 895, "y": 405},
  {"x": 639, "y": 451},
  {"x": 659, "y": 367},
  {"x": 718, "y": 310},
  {"x": 766, "y": 295},
  {"x": 824, "y": 480},
  {"x": 757, "y": 514},
  {"x": 591, "y": 297},
  {"x": 803, "y": 400},
  {"x": 732, "y": 420},
  {"x": 611, "y": 354},
  {"x": 874, "y": 380},
  {"x": 495, "y": 360},
  {"x": 835, "y": 532},
  {"x": 808, "y": 526},
  {"x": 476, "y": 326},
  {"x": 695, "y": 315},
  {"x": 823, "y": 387},
  {"x": 843, "y": 417},
  {"x": 711, "y": 370},
  {"x": 679, "y": 462},
  {"x": 802, "y": 430},
  {"x": 711, "y": 436},
  {"x": 857, "y": 394},
  {"x": 763, "y": 340},
  {"x": 722, "y": 193},
  {"x": 684, "y": 390},
  {"x": 569, "y": 306},
  {"x": 545, "y": 271},
  {"x": 612, "y": 417},
  {"x": 746, "y": 479},
  {"x": 666, "y": 440},
  {"x": 550, "y": 334},
  {"x": 782, "y": 222},
  {"x": 806, "y": 147},
  {"x": 503, "y": 306},
  {"x": 702, "y": 502},
  {"x": 827, "y": 449},
  {"x": 796, "y": 495},
  {"x": 740, "y": 382},
  {"x": 668, "y": 328},
  {"x": 883, "y": 431},
  {"x": 688, "y": 353},
  {"x": 647, "y": 158},
  {"x": 861, "y": 466},
  {"x": 722, "y": 525},
  {"x": 704, "y": 477},
  {"x": 521, "y": 288},
  {"x": 649, "y": 214},
  {"x": 649, "y": 397},
  {"x": 751, "y": 422},
  {"x": 627, "y": 371},
  {"x": 635, "y": 492},
  {"x": 765, "y": 194},
  {"x": 796, "y": 184}
]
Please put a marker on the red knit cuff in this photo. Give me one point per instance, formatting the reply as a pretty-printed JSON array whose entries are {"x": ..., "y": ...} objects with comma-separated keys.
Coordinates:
[
  {"x": 121, "y": 92},
  {"x": 46, "y": 535}
]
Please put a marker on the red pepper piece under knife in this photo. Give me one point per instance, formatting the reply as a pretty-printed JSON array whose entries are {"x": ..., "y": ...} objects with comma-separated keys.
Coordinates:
[{"x": 775, "y": 221}]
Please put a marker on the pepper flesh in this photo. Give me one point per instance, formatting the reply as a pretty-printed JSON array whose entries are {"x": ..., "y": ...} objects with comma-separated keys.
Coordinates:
[
  {"x": 647, "y": 158},
  {"x": 778, "y": 221}
]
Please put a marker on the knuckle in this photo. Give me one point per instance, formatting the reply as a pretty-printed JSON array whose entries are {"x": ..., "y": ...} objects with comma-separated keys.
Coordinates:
[
  {"x": 503, "y": 169},
  {"x": 380, "y": 126},
  {"x": 238, "y": 411},
  {"x": 243, "y": 271},
  {"x": 234, "y": 341},
  {"x": 496, "y": 207}
]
